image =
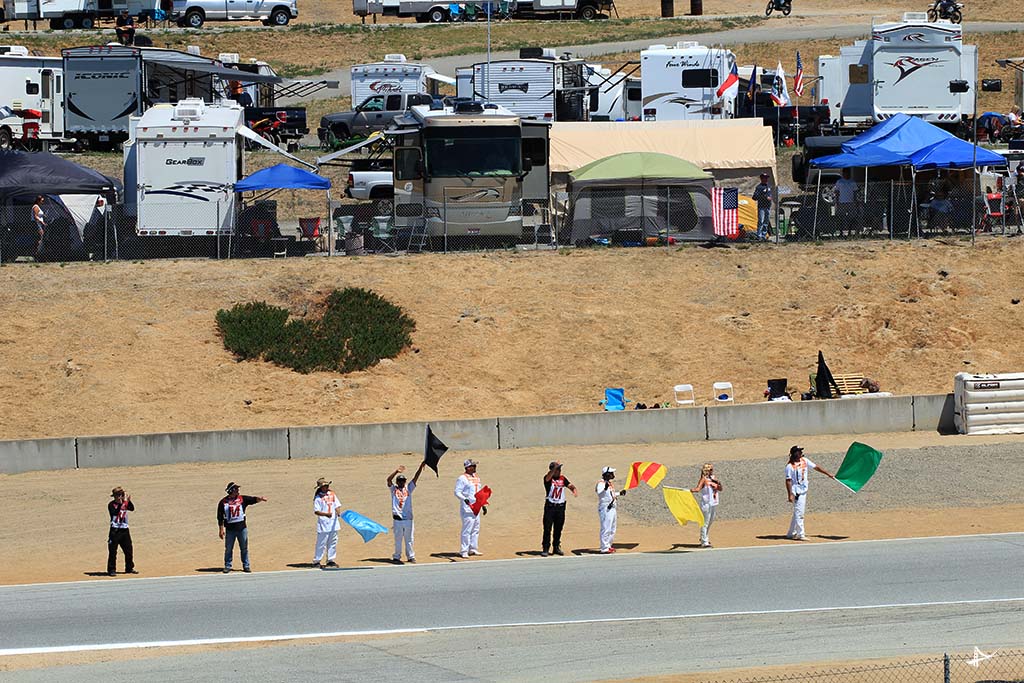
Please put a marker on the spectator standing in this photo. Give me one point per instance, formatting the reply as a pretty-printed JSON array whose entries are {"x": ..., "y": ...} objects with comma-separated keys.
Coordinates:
[
  {"x": 846, "y": 202},
  {"x": 606, "y": 495},
  {"x": 555, "y": 485},
  {"x": 708, "y": 487},
  {"x": 231, "y": 520},
  {"x": 796, "y": 489},
  {"x": 39, "y": 217},
  {"x": 325, "y": 507},
  {"x": 763, "y": 197},
  {"x": 120, "y": 536},
  {"x": 466, "y": 488},
  {"x": 401, "y": 511}
]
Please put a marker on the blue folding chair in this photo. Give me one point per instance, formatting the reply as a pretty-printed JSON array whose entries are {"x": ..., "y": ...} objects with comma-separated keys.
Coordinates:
[
  {"x": 455, "y": 12},
  {"x": 614, "y": 399}
]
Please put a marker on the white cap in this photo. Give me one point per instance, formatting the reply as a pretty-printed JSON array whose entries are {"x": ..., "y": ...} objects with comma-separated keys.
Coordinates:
[
  {"x": 608, "y": 470},
  {"x": 469, "y": 462}
]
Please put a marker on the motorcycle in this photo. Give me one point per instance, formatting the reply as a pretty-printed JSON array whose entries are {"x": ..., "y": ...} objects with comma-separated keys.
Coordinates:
[
  {"x": 944, "y": 9},
  {"x": 784, "y": 6},
  {"x": 267, "y": 128}
]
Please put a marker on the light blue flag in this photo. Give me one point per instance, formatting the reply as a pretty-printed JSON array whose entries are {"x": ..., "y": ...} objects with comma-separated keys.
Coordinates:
[{"x": 366, "y": 527}]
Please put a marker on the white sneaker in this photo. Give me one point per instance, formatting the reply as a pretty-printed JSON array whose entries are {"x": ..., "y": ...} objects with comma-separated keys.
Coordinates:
[
  {"x": 475, "y": 552},
  {"x": 801, "y": 537},
  {"x": 464, "y": 555}
]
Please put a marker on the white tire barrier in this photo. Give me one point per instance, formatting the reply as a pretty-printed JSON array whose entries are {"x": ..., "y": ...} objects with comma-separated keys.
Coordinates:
[{"x": 989, "y": 404}]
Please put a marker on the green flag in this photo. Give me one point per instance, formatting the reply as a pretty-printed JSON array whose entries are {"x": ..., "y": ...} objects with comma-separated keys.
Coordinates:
[{"x": 858, "y": 466}]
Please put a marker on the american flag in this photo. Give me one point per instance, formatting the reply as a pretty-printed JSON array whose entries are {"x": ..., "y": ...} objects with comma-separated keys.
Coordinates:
[
  {"x": 798, "y": 79},
  {"x": 725, "y": 204}
]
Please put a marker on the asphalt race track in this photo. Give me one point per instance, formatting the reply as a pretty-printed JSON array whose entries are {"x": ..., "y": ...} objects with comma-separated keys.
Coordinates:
[{"x": 574, "y": 618}]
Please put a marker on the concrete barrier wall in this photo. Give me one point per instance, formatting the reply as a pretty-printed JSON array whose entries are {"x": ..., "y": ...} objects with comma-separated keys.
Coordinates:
[
  {"x": 584, "y": 429},
  {"x": 392, "y": 437},
  {"x": 934, "y": 413},
  {"x": 798, "y": 418},
  {"x": 163, "y": 449},
  {"x": 37, "y": 454}
]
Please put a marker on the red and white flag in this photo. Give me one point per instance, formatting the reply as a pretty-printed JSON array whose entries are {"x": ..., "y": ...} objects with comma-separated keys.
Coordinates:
[
  {"x": 798, "y": 79},
  {"x": 731, "y": 84},
  {"x": 725, "y": 205}
]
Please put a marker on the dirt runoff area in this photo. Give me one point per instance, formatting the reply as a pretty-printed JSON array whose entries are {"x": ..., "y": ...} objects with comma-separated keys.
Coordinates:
[{"x": 928, "y": 485}]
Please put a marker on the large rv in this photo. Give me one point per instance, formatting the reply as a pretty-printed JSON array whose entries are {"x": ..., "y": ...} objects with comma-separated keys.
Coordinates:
[
  {"x": 904, "y": 68},
  {"x": 68, "y": 14},
  {"x": 615, "y": 95},
  {"x": 437, "y": 11},
  {"x": 105, "y": 85},
  {"x": 680, "y": 83},
  {"x": 538, "y": 85},
  {"x": 33, "y": 88},
  {"x": 467, "y": 170},
  {"x": 394, "y": 76}
]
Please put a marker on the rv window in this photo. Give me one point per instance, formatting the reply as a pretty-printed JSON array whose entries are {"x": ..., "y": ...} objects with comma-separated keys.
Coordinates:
[
  {"x": 31, "y": 88},
  {"x": 56, "y": 89},
  {"x": 634, "y": 94},
  {"x": 420, "y": 99},
  {"x": 700, "y": 78},
  {"x": 594, "y": 102},
  {"x": 394, "y": 102},
  {"x": 407, "y": 163},
  {"x": 473, "y": 151},
  {"x": 373, "y": 104},
  {"x": 858, "y": 73},
  {"x": 47, "y": 78},
  {"x": 536, "y": 151}
]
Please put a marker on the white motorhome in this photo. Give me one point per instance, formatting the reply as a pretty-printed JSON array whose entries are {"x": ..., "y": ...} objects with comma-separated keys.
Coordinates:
[
  {"x": 31, "y": 84},
  {"x": 904, "y": 68},
  {"x": 681, "y": 82},
  {"x": 539, "y": 85},
  {"x": 68, "y": 14},
  {"x": 180, "y": 167},
  {"x": 614, "y": 95},
  {"x": 394, "y": 76}
]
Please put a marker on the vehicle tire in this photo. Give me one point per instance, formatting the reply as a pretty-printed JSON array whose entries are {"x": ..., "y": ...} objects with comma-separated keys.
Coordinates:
[
  {"x": 68, "y": 22},
  {"x": 342, "y": 134},
  {"x": 933, "y": 15},
  {"x": 787, "y": 8},
  {"x": 770, "y": 8},
  {"x": 6, "y": 139},
  {"x": 87, "y": 23},
  {"x": 280, "y": 17},
  {"x": 956, "y": 17},
  {"x": 194, "y": 19},
  {"x": 437, "y": 15},
  {"x": 587, "y": 13}
]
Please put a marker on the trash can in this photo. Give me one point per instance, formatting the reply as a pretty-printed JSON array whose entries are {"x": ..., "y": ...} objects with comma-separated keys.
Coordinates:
[
  {"x": 354, "y": 244},
  {"x": 696, "y": 8}
]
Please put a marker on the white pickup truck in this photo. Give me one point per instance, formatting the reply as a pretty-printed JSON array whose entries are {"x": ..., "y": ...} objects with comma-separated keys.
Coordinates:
[
  {"x": 371, "y": 179},
  {"x": 194, "y": 13}
]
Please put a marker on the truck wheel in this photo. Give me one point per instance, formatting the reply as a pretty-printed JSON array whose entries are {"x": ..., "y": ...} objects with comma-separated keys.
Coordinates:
[
  {"x": 6, "y": 139},
  {"x": 280, "y": 17},
  {"x": 437, "y": 15},
  {"x": 194, "y": 19},
  {"x": 587, "y": 13},
  {"x": 342, "y": 134},
  {"x": 67, "y": 23},
  {"x": 87, "y": 23}
]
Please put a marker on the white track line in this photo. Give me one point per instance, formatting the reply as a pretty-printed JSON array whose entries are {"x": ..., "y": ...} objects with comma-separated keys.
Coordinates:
[
  {"x": 468, "y": 563},
  {"x": 434, "y": 629}
]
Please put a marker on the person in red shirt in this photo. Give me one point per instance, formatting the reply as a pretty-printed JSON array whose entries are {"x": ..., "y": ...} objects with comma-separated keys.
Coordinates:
[
  {"x": 120, "y": 536},
  {"x": 231, "y": 520}
]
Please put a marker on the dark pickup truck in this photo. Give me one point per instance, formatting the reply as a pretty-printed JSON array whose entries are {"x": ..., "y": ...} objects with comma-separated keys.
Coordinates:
[
  {"x": 373, "y": 114},
  {"x": 284, "y": 126},
  {"x": 813, "y": 119}
]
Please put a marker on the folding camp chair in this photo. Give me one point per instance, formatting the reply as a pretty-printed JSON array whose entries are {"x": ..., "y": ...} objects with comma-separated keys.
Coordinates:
[
  {"x": 455, "y": 12},
  {"x": 993, "y": 212},
  {"x": 471, "y": 12},
  {"x": 777, "y": 390},
  {"x": 614, "y": 399},
  {"x": 684, "y": 395},
  {"x": 723, "y": 392},
  {"x": 309, "y": 231}
]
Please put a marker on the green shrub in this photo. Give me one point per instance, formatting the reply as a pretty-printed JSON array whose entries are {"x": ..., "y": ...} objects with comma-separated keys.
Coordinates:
[{"x": 357, "y": 329}]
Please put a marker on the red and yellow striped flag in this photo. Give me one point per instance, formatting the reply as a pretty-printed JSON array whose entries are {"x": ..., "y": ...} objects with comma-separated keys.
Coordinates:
[{"x": 650, "y": 472}]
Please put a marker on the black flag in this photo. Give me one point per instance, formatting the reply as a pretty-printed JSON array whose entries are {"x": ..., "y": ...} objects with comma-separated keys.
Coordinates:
[
  {"x": 823, "y": 381},
  {"x": 433, "y": 449}
]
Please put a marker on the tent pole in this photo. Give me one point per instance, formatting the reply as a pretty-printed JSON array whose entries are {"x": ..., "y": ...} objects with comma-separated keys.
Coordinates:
[
  {"x": 330, "y": 223},
  {"x": 817, "y": 193},
  {"x": 106, "y": 230},
  {"x": 913, "y": 206}
]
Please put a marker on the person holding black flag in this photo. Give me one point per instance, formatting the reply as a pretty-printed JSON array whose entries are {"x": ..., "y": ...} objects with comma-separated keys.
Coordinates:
[
  {"x": 120, "y": 536},
  {"x": 555, "y": 485}
]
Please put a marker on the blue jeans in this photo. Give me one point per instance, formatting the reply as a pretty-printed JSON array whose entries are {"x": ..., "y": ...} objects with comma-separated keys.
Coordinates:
[
  {"x": 764, "y": 221},
  {"x": 242, "y": 535}
]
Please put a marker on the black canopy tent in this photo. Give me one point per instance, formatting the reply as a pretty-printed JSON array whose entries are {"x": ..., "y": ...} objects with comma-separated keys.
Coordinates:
[{"x": 26, "y": 175}]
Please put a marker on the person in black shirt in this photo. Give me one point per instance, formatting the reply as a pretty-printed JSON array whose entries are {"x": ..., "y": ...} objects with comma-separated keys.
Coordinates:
[
  {"x": 231, "y": 520},
  {"x": 554, "y": 507},
  {"x": 120, "y": 536},
  {"x": 124, "y": 25}
]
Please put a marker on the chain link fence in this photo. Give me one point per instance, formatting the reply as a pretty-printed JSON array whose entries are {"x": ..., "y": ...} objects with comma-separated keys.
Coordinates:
[{"x": 997, "y": 666}]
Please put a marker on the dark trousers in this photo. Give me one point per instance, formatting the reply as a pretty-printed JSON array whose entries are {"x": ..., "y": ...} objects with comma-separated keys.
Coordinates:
[
  {"x": 119, "y": 538},
  {"x": 554, "y": 517}
]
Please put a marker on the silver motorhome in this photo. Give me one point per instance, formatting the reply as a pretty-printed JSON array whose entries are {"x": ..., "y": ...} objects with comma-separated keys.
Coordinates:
[{"x": 460, "y": 171}]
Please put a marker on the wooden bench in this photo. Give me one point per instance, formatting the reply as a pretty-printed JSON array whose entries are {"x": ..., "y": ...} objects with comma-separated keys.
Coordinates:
[{"x": 850, "y": 384}]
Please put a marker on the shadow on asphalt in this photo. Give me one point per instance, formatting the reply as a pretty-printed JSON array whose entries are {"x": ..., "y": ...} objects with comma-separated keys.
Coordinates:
[
  {"x": 528, "y": 553},
  {"x": 95, "y": 573},
  {"x": 594, "y": 551},
  {"x": 453, "y": 557},
  {"x": 381, "y": 560},
  {"x": 303, "y": 565},
  {"x": 774, "y": 537},
  {"x": 210, "y": 570}
]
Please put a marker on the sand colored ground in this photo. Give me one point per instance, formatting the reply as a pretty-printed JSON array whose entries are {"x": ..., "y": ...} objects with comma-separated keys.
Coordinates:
[
  {"x": 132, "y": 347},
  {"x": 175, "y": 530}
]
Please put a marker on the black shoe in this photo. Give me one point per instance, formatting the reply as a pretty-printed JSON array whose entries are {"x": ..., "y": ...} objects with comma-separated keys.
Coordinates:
[
  {"x": 558, "y": 551},
  {"x": 332, "y": 563},
  {"x": 111, "y": 573},
  {"x": 412, "y": 560},
  {"x": 131, "y": 571},
  {"x": 396, "y": 560},
  {"x": 544, "y": 553},
  {"x": 247, "y": 570}
]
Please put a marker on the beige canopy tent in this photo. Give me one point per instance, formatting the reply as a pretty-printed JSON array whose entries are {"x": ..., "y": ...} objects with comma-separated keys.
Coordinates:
[{"x": 730, "y": 148}]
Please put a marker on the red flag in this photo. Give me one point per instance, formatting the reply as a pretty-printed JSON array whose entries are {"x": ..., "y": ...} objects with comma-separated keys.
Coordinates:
[
  {"x": 481, "y": 499},
  {"x": 650, "y": 472}
]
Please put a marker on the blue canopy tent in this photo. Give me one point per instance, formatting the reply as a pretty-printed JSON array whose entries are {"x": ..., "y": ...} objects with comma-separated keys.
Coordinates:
[
  {"x": 908, "y": 141},
  {"x": 285, "y": 177}
]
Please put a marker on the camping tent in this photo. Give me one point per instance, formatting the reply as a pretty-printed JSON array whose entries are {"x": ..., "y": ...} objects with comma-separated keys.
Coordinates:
[
  {"x": 282, "y": 176},
  {"x": 644, "y": 191}
]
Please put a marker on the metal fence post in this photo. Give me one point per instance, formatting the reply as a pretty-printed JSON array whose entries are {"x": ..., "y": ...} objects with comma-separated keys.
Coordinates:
[
  {"x": 106, "y": 231},
  {"x": 945, "y": 668}
]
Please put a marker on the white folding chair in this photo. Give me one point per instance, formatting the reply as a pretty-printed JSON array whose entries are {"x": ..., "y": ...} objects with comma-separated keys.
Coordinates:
[
  {"x": 682, "y": 391},
  {"x": 723, "y": 392}
]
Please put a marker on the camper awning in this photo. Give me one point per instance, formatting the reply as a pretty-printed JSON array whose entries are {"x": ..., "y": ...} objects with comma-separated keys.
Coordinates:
[
  {"x": 441, "y": 78},
  {"x": 376, "y": 136},
  {"x": 250, "y": 134},
  {"x": 187, "y": 62}
]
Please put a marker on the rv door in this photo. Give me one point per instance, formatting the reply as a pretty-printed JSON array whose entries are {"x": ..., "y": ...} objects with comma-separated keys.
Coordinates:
[
  {"x": 535, "y": 151},
  {"x": 408, "y": 186},
  {"x": 46, "y": 122}
]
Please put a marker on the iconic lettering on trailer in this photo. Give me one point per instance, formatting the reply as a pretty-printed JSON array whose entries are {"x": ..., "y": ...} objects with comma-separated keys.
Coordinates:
[{"x": 101, "y": 75}]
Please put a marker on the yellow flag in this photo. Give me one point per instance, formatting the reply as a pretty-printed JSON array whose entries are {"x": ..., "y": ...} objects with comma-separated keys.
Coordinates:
[{"x": 682, "y": 505}]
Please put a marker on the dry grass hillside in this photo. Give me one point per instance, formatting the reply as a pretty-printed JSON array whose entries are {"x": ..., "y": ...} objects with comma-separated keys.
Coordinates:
[{"x": 131, "y": 347}]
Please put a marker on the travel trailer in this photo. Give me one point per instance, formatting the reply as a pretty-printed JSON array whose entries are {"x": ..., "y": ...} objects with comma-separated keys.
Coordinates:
[
  {"x": 538, "y": 85},
  {"x": 435, "y": 12},
  {"x": 466, "y": 170},
  {"x": 105, "y": 85},
  {"x": 680, "y": 83},
  {"x": 394, "y": 76},
  {"x": 33, "y": 88},
  {"x": 69, "y": 14},
  {"x": 904, "y": 68},
  {"x": 614, "y": 95}
]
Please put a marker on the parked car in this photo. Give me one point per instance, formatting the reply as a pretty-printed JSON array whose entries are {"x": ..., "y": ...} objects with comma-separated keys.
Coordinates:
[
  {"x": 371, "y": 179},
  {"x": 194, "y": 13},
  {"x": 373, "y": 114}
]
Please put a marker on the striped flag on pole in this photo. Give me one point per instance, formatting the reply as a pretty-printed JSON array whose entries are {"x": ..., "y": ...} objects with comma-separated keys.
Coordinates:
[
  {"x": 798, "y": 79},
  {"x": 725, "y": 204},
  {"x": 650, "y": 472}
]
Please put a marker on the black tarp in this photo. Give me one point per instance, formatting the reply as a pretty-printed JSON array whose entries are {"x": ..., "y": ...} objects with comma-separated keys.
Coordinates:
[
  {"x": 823, "y": 381},
  {"x": 26, "y": 174}
]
